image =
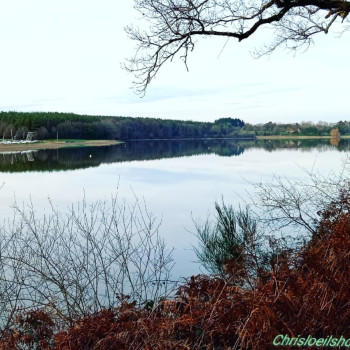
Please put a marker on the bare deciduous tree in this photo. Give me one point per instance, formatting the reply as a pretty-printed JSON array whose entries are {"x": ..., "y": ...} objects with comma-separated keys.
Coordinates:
[{"x": 174, "y": 25}]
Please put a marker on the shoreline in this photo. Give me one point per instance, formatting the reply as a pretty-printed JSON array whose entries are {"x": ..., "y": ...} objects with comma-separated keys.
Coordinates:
[
  {"x": 56, "y": 145},
  {"x": 99, "y": 143}
]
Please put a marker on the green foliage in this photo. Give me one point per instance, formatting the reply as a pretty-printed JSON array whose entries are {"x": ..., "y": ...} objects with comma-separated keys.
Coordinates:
[
  {"x": 219, "y": 242},
  {"x": 231, "y": 245}
]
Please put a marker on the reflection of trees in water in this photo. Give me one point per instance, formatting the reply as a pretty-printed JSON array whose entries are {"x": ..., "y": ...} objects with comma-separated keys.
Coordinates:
[
  {"x": 84, "y": 157},
  {"x": 305, "y": 145}
]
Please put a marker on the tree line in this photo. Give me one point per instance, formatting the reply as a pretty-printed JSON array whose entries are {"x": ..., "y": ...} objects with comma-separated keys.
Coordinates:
[
  {"x": 68, "y": 125},
  {"x": 298, "y": 129},
  {"x": 16, "y": 125}
]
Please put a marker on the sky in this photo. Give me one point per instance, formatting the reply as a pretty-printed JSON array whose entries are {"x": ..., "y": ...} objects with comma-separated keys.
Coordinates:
[{"x": 66, "y": 56}]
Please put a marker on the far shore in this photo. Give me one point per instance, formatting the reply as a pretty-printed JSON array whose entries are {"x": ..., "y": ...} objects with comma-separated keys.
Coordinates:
[
  {"x": 56, "y": 144},
  {"x": 52, "y": 144}
]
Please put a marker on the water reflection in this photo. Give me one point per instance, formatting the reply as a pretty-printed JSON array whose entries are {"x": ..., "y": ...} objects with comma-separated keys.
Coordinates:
[{"x": 86, "y": 157}]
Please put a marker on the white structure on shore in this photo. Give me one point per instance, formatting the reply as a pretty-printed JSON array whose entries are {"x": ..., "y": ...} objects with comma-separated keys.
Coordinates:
[
  {"x": 29, "y": 139},
  {"x": 30, "y": 136}
]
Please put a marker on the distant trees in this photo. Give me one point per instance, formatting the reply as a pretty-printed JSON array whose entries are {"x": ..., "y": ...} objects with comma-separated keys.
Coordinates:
[
  {"x": 335, "y": 134},
  {"x": 228, "y": 127},
  {"x": 48, "y": 125},
  {"x": 335, "y": 137},
  {"x": 231, "y": 122},
  {"x": 343, "y": 126},
  {"x": 297, "y": 129}
]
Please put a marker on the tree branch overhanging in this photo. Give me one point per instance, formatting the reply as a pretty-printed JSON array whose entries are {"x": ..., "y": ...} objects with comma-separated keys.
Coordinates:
[{"x": 173, "y": 25}]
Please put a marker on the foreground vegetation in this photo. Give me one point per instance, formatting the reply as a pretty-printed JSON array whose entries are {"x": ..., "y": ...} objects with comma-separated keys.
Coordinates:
[
  {"x": 74, "y": 126},
  {"x": 305, "y": 292},
  {"x": 98, "y": 277}
]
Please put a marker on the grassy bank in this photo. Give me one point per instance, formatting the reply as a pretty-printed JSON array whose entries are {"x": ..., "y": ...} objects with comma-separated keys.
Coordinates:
[{"x": 53, "y": 144}]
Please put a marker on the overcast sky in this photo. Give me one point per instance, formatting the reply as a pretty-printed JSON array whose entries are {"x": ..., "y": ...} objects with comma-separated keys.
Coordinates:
[{"x": 66, "y": 56}]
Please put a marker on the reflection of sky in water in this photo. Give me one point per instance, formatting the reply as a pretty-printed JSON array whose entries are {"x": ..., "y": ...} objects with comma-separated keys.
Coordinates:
[
  {"x": 164, "y": 177},
  {"x": 175, "y": 189}
]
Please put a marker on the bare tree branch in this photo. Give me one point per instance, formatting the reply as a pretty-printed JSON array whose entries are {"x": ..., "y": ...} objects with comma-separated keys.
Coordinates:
[{"x": 173, "y": 25}]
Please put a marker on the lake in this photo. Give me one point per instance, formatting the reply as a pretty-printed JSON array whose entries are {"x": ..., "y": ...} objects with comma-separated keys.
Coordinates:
[{"x": 178, "y": 180}]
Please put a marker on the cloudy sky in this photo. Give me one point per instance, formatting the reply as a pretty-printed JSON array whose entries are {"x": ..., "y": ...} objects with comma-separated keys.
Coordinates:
[{"x": 66, "y": 56}]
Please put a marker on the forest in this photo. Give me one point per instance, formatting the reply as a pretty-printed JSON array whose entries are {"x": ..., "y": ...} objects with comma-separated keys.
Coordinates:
[
  {"x": 73, "y": 126},
  {"x": 15, "y": 125}
]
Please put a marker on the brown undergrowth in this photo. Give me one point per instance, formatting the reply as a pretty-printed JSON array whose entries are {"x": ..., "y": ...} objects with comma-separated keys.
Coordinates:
[{"x": 306, "y": 293}]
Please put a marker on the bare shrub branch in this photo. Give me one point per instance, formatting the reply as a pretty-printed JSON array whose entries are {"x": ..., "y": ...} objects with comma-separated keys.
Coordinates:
[
  {"x": 296, "y": 205},
  {"x": 78, "y": 262}
]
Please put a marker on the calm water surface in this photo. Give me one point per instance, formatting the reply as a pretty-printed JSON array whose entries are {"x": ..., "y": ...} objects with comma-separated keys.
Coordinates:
[{"x": 179, "y": 180}]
